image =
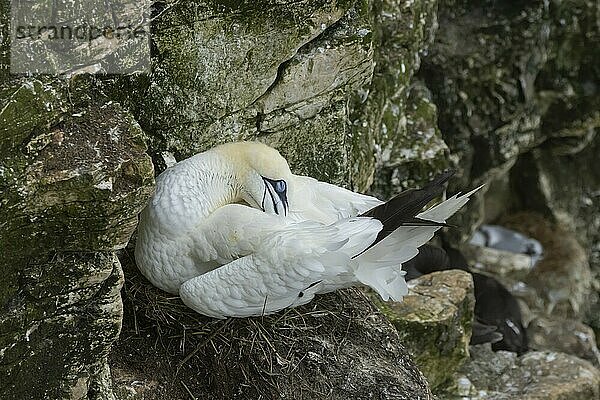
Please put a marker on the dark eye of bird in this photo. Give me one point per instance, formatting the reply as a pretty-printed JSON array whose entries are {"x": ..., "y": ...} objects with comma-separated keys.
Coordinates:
[{"x": 280, "y": 186}]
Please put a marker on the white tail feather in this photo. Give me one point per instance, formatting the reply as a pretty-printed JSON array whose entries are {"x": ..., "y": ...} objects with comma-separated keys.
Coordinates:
[
  {"x": 446, "y": 209},
  {"x": 379, "y": 266}
]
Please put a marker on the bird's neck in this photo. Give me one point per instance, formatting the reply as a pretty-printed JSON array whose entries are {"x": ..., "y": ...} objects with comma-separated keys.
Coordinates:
[
  {"x": 204, "y": 183},
  {"x": 216, "y": 185}
]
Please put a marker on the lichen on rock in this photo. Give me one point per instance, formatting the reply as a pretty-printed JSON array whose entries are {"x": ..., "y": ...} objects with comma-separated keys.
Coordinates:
[
  {"x": 564, "y": 335},
  {"x": 434, "y": 322},
  {"x": 73, "y": 178},
  {"x": 255, "y": 71},
  {"x": 536, "y": 375}
]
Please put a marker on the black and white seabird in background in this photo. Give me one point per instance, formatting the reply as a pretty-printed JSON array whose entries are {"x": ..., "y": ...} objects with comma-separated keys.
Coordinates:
[
  {"x": 236, "y": 234},
  {"x": 497, "y": 313}
]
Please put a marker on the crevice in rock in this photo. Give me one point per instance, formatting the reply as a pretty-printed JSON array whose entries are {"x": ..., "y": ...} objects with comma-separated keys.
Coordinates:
[{"x": 301, "y": 49}]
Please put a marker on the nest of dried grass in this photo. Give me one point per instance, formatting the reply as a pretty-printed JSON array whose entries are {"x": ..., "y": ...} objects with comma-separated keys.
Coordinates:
[{"x": 303, "y": 352}]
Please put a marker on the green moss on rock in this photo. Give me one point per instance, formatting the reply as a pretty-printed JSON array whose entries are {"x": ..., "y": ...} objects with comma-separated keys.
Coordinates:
[
  {"x": 73, "y": 177},
  {"x": 434, "y": 322},
  {"x": 417, "y": 151}
]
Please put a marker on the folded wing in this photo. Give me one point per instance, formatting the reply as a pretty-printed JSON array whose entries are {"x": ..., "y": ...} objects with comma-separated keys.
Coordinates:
[
  {"x": 314, "y": 200},
  {"x": 287, "y": 269}
]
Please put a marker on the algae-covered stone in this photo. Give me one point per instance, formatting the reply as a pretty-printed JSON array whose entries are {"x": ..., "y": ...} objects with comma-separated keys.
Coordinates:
[
  {"x": 380, "y": 121},
  {"x": 473, "y": 71},
  {"x": 327, "y": 83},
  {"x": 507, "y": 77},
  {"x": 280, "y": 72},
  {"x": 536, "y": 375},
  {"x": 73, "y": 176},
  {"x": 434, "y": 322},
  {"x": 564, "y": 335},
  {"x": 305, "y": 112},
  {"x": 417, "y": 150}
]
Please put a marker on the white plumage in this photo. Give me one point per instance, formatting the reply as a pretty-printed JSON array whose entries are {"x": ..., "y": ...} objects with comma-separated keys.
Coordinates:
[{"x": 236, "y": 234}]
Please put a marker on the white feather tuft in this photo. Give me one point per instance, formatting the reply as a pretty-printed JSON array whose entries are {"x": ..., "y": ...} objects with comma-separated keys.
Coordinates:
[{"x": 379, "y": 266}]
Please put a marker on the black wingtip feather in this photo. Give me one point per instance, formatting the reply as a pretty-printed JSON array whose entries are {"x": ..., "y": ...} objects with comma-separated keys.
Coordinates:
[{"x": 403, "y": 208}]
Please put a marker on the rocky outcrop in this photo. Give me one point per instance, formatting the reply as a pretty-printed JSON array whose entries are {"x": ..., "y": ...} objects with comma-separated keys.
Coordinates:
[
  {"x": 338, "y": 346},
  {"x": 434, "y": 322},
  {"x": 508, "y": 78},
  {"x": 516, "y": 87},
  {"x": 564, "y": 335},
  {"x": 535, "y": 375},
  {"x": 73, "y": 178},
  {"x": 351, "y": 92},
  {"x": 295, "y": 74},
  {"x": 394, "y": 113},
  {"x": 279, "y": 71}
]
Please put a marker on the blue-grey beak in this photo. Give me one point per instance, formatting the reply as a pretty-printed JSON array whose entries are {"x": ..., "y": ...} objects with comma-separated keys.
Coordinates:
[{"x": 277, "y": 190}]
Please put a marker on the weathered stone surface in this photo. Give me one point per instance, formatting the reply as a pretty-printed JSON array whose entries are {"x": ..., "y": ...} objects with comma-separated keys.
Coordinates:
[
  {"x": 562, "y": 278},
  {"x": 476, "y": 69},
  {"x": 564, "y": 335},
  {"x": 73, "y": 176},
  {"x": 391, "y": 117},
  {"x": 507, "y": 78},
  {"x": 295, "y": 74},
  {"x": 410, "y": 155},
  {"x": 281, "y": 72},
  {"x": 535, "y": 375},
  {"x": 434, "y": 322},
  {"x": 308, "y": 103}
]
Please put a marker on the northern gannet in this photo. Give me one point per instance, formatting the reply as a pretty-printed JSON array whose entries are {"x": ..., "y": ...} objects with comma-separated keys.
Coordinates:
[{"x": 236, "y": 234}]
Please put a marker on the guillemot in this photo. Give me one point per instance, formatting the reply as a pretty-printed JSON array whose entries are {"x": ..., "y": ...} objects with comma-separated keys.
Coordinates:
[{"x": 497, "y": 315}]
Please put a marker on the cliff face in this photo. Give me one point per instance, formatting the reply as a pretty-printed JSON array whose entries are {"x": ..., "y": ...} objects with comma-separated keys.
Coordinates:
[
  {"x": 519, "y": 82},
  {"x": 73, "y": 177},
  {"x": 326, "y": 82},
  {"x": 372, "y": 94}
]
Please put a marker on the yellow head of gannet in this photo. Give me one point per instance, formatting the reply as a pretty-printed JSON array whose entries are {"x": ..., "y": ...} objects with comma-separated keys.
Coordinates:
[{"x": 262, "y": 174}]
